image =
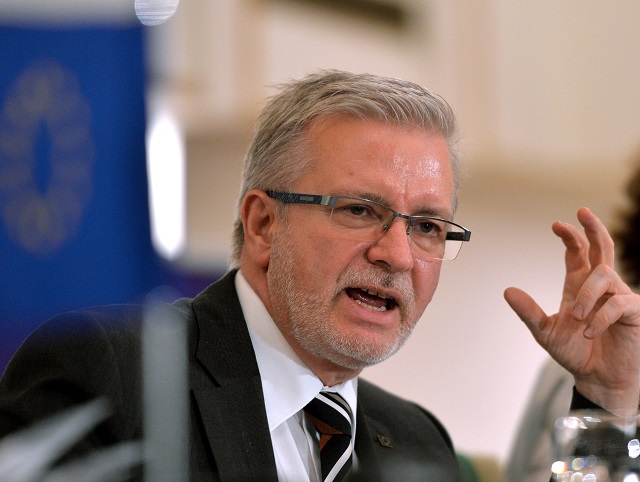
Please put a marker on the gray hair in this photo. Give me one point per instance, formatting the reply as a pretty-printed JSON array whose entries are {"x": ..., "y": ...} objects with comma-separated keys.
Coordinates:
[{"x": 279, "y": 154}]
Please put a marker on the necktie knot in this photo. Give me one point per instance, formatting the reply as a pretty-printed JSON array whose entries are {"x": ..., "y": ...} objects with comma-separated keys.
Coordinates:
[{"x": 331, "y": 416}]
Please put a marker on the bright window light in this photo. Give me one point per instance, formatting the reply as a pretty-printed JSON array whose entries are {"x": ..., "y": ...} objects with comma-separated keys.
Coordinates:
[{"x": 166, "y": 171}]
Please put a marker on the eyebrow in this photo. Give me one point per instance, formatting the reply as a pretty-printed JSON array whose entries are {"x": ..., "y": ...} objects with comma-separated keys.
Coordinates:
[{"x": 371, "y": 196}]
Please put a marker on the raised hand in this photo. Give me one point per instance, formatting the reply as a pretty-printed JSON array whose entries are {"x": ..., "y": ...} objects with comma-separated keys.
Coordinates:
[{"x": 596, "y": 332}]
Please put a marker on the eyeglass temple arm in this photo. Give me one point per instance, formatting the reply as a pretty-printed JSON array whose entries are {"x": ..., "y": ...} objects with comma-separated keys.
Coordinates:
[
  {"x": 296, "y": 198},
  {"x": 456, "y": 236}
]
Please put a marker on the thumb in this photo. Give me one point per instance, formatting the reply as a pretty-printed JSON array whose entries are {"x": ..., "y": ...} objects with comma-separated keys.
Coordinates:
[{"x": 527, "y": 310}]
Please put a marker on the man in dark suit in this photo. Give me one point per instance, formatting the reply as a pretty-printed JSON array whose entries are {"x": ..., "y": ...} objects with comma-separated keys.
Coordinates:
[{"x": 345, "y": 216}]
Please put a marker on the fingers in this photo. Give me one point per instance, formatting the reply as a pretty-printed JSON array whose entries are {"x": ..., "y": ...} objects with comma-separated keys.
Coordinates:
[
  {"x": 576, "y": 256},
  {"x": 601, "y": 282},
  {"x": 604, "y": 299},
  {"x": 623, "y": 309},
  {"x": 593, "y": 294},
  {"x": 587, "y": 250},
  {"x": 527, "y": 310},
  {"x": 601, "y": 247}
]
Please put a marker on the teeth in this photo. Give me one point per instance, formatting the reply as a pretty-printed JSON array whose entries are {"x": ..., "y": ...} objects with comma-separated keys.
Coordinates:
[
  {"x": 372, "y": 308},
  {"x": 375, "y": 293}
]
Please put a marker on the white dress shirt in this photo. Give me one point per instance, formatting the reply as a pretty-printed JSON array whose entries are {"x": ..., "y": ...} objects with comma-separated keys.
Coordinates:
[{"x": 288, "y": 385}]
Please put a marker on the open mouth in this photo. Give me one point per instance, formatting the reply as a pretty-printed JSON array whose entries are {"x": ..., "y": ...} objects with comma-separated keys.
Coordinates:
[{"x": 370, "y": 299}]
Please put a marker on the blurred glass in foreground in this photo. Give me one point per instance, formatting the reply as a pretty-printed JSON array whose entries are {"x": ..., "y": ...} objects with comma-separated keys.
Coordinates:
[
  {"x": 155, "y": 12},
  {"x": 596, "y": 446}
]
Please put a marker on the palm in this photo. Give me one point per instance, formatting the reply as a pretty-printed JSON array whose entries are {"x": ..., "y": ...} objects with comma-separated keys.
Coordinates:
[{"x": 585, "y": 357}]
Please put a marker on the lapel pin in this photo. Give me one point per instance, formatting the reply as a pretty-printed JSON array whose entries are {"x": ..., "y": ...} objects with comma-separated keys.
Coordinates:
[{"x": 385, "y": 441}]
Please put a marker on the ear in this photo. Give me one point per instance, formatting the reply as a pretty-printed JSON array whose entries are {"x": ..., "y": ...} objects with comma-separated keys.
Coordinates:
[{"x": 258, "y": 218}]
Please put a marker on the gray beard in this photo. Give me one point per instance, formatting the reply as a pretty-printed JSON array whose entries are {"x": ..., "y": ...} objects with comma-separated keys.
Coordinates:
[{"x": 310, "y": 326}]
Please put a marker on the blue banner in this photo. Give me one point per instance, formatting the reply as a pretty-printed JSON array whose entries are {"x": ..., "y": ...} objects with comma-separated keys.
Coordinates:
[{"x": 74, "y": 217}]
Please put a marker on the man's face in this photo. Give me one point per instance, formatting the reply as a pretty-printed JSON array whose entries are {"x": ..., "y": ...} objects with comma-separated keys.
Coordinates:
[{"x": 353, "y": 303}]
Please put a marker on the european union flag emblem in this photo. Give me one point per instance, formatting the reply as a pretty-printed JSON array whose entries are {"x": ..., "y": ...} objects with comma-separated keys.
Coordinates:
[{"x": 74, "y": 217}]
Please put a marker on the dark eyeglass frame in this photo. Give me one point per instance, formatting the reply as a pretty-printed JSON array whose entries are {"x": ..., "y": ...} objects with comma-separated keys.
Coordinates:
[{"x": 330, "y": 201}]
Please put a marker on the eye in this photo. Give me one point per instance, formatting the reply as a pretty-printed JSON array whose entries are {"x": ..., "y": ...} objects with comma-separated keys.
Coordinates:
[
  {"x": 358, "y": 210},
  {"x": 356, "y": 214},
  {"x": 359, "y": 213},
  {"x": 429, "y": 227}
]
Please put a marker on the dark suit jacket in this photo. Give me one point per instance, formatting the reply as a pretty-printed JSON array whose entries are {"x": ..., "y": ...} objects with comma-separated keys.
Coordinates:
[{"x": 96, "y": 352}]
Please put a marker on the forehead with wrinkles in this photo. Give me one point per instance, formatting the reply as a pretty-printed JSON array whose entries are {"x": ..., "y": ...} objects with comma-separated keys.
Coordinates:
[{"x": 390, "y": 161}]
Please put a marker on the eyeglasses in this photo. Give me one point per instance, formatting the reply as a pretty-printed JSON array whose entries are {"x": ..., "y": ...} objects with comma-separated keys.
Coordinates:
[{"x": 365, "y": 220}]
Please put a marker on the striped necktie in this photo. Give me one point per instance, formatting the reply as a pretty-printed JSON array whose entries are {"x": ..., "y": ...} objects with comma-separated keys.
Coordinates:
[{"x": 331, "y": 416}]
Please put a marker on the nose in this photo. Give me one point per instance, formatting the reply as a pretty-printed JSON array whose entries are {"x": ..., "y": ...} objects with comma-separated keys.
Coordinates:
[{"x": 392, "y": 250}]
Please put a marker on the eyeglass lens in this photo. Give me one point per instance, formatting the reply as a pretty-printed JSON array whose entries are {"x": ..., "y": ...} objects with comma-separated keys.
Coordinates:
[{"x": 363, "y": 220}]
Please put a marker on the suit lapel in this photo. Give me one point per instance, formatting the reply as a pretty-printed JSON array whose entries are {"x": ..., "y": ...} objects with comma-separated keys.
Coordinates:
[
  {"x": 368, "y": 448},
  {"x": 227, "y": 388},
  {"x": 379, "y": 457}
]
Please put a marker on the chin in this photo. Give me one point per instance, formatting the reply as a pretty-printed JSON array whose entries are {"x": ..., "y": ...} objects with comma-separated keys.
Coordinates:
[{"x": 357, "y": 353}]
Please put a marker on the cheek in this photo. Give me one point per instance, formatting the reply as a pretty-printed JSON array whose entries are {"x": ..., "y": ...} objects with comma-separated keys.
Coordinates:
[
  {"x": 426, "y": 278},
  {"x": 313, "y": 263},
  {"x": 326, "y": 256}
]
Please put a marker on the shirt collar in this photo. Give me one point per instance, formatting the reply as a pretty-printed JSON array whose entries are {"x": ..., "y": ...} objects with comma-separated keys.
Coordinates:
[{"x": 287, "y": 382}]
